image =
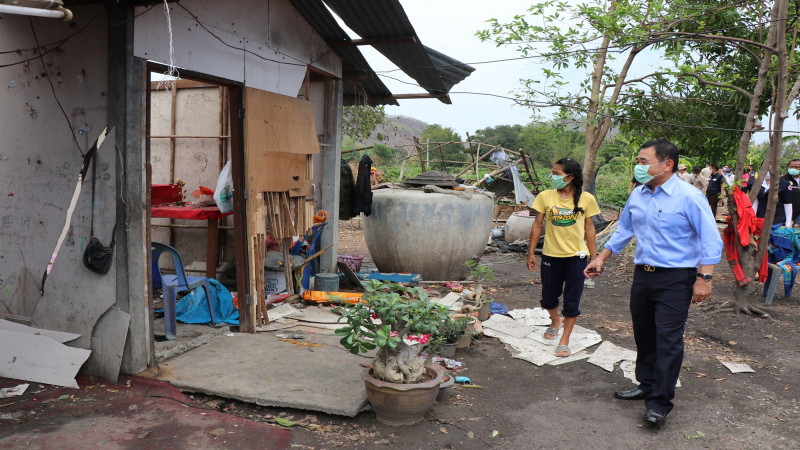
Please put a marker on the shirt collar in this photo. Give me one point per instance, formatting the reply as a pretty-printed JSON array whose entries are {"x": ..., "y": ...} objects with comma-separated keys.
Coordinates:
[{"x": 668, "y": 185}]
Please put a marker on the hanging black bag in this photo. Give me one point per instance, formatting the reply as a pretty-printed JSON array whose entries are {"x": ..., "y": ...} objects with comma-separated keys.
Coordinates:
[{"x": 97, "y": 257}]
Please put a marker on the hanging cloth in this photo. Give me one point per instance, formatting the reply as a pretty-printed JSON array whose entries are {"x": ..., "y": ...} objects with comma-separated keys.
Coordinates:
[
  {"x": 363, "y": 198},
  {"x": 347, "y": 193},
  {"x": 521, "y": 193}
]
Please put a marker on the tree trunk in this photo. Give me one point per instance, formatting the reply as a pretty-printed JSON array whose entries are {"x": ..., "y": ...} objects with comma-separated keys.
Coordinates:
[
  {"x": 751, "y": 258},
  {"x": 398, "y": 365}
]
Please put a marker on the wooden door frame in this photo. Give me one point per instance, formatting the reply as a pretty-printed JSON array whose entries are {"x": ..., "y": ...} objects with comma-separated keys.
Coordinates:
[{"x": 236, "y": 125}]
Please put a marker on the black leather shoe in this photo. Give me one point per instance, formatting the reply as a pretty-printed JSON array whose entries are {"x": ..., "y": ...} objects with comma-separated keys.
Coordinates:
[
  {"x": 654, "y": 418},
  {"x": 633, "y": 394}
]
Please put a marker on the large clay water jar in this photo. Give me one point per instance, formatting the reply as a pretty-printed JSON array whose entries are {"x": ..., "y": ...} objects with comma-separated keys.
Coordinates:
[
  {"x": 431, "y": 234},
  {"x": 518, "y": 227}
]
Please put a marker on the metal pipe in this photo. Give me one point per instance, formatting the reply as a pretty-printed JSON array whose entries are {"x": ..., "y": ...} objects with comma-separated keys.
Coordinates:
[{"x": 58, "y": 13}]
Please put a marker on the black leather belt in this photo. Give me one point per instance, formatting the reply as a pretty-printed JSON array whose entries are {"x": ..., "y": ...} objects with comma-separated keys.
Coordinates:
[{"x": 649, "y": 268}]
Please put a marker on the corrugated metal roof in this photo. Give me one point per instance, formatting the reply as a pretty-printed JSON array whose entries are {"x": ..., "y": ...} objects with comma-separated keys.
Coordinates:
[
  {"x": 353, "y": 62},
  {"x": 383, "y": 19}
]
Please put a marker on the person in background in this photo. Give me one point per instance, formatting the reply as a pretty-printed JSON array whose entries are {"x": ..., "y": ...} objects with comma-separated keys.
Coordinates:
[
  {"x": 706, "y": 172},
  {"x": 569, "y": 242},
  {"x": 683, "y": 175},
  {"x": 746, "y": 178},
  {"x": 715, "y": 187},
  {"x": 676, "y": 235},
  {"x": 697, "y": 180},
  {"x": 727, "y": 172},
  {"x": 783, "y": 210},
  {"x": 793, "y": 177},
  {"x": 634, "y": 185}
]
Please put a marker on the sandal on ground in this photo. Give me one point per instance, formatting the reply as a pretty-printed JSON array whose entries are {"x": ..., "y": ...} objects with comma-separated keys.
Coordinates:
[
  {"x": 552, "y": 331},
  {"x": 563, "y": 348}
]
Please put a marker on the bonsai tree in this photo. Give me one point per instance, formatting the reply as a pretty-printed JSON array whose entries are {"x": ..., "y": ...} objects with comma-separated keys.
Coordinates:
[
  {"x": 453, "y": 329},
  {"x": 479, "y": 274},
  {"x": 397, "y": 320}
]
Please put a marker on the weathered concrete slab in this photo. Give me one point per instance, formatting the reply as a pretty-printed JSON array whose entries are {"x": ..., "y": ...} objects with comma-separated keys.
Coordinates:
[
  {"x": 108, "y": 343},
  {"x": 271, "y": 372}
]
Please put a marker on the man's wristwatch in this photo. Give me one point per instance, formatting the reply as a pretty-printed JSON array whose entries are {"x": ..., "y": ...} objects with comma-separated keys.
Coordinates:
[{"x": 705, "y": 276}]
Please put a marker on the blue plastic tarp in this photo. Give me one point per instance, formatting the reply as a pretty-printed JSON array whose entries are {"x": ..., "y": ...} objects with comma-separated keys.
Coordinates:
[
  {"x": 193, "y": 308},
  {"x": 392, "y": 277}
]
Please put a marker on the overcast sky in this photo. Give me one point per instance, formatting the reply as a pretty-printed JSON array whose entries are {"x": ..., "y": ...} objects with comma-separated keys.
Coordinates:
[{"x": 449, "y": 26}]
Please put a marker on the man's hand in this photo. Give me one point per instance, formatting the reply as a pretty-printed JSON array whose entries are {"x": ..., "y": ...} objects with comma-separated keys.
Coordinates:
[
  {"x": 594, "y": 268},
  {"x": 532, "y": 262},
  {"x": 702, "y": 290}
]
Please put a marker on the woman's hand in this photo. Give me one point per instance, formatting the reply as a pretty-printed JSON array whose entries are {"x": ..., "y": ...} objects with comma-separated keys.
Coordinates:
[{"x": 532, "y": 262}]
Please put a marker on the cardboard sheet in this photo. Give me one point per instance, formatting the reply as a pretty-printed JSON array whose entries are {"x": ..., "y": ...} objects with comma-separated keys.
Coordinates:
[
  {"x": 58, "y": 336},
  {"x": 609, "y": 354},
  {"x": 37, "y": 358}
]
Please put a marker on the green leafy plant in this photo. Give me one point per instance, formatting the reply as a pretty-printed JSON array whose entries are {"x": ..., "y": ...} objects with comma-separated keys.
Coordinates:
[
  {"x": 453, "y": 329},
  {"x": 479, "y": 274},
  {"x": 397, "y": 320}
]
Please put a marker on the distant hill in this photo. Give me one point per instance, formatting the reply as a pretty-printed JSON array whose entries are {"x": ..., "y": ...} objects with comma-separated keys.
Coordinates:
[{"x": 397, "y": 132}]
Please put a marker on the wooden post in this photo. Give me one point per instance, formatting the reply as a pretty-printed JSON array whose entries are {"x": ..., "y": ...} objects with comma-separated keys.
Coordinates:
[
  {"x": 172, "y": 128},
  {"x": 418, "y": 147},
  {"x": 527, "y": 169}
]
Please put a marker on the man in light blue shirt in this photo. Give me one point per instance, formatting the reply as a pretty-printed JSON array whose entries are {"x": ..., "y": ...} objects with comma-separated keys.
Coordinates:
[{"x": 676, "y": 234}]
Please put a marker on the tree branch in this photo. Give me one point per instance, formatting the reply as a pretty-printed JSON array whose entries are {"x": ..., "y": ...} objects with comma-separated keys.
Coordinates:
[
  {"x": 702, "y": 80},
  {"x": 704, "y": 37}
]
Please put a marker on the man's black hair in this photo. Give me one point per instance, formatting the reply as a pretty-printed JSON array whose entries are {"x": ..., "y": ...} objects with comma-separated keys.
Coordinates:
[
  {"x": 696, "y": 169},
  {"x": 664, "y": 150},
  {"x": 715, "y": 167}
]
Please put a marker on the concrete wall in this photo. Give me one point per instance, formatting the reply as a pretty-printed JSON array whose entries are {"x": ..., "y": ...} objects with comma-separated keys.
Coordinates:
[
  {"x": 278, "y": 43},
  {"x": 39, "y": 162},
  {"x": 39, "y": 165}
]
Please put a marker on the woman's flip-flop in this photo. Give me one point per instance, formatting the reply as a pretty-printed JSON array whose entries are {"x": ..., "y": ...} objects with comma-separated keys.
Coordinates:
[
  {"x": 552, "y": 331},
  {"x": 563, "y": 348}
]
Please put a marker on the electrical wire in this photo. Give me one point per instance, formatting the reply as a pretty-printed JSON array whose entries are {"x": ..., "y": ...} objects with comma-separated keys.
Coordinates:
[
  {"x": 581, "y": 109},
  {"x": 53, "y": 88},
  {"x": 617, "y": 48}
]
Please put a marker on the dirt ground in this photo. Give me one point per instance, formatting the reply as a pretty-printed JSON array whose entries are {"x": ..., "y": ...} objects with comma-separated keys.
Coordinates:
[{"x": 522, "y": 406}]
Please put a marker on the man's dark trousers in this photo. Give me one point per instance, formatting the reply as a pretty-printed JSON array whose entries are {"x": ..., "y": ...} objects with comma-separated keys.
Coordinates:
[{"x": 660, "y": 300}]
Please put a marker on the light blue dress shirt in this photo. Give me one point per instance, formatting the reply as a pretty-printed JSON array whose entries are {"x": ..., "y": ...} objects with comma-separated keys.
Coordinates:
[{"x": 673, "y": 226}]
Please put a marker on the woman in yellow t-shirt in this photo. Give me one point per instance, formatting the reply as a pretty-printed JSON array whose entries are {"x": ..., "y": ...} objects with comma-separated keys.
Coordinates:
[{"x": 569, "y": 243}]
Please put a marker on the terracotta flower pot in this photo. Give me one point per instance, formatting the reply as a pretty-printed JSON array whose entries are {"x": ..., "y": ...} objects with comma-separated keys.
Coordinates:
[{"x": 401, "y": 404}]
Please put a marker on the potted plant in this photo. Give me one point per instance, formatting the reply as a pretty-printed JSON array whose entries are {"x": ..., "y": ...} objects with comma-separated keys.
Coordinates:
[
  {"x": 475, "y": 297},
  {"x": 399, "y": 321},
  {"x": 452, "y": 331}
]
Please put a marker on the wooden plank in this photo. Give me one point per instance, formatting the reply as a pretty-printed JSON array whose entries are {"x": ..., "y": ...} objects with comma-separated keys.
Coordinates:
[
  {"x": 278, "y": 123},
  {"x": 276, "y": 171}
]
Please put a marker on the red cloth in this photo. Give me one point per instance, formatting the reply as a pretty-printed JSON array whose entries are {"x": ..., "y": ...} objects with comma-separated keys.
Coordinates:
[
  {"x": 748, "y": 225},
  {"x": 188, "y": 212},
  {"x": 747, "y": 216},
  {"x": 165, "y": 193}
]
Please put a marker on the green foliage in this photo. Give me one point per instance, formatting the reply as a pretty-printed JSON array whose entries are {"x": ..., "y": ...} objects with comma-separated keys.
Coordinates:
[
  {"x": 401, "y": 310},
  {"x": 448, "y": 152},
  {"x": 358, "y": 122},
  {"x": 478, "y": 272},
  {"x": 384, "y": 152},
  {"x": 453, "y": 329}
]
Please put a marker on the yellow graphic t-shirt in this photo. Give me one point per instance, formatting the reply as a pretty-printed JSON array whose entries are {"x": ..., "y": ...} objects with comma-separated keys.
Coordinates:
[{"x": 564, "y": 229}]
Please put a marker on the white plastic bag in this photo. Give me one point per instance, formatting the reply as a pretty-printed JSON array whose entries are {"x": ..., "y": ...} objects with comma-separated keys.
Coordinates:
[{"x": 223, "y": 195}]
